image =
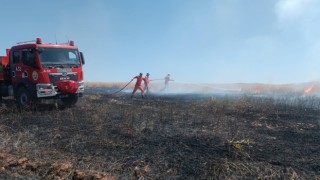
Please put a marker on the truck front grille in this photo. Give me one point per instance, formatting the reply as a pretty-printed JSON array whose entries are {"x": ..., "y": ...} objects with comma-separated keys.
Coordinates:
[{"x": 55, "y": 77}]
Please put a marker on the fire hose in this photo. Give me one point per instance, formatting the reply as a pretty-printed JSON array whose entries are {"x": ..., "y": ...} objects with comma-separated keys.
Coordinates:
[
  {"x": 120, "y": 89},
  {"x": 127, "y": 85}
]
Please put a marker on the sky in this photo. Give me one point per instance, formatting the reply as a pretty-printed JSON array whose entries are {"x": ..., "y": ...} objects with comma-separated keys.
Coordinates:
[{"x": 200, "y": 41}]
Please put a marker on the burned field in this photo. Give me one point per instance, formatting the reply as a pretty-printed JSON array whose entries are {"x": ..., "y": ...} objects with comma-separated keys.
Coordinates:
[{"x": 164, "y": 137}]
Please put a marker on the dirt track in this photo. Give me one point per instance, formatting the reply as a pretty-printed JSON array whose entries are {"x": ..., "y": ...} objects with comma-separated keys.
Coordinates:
[{"x": 163, "y": 137}]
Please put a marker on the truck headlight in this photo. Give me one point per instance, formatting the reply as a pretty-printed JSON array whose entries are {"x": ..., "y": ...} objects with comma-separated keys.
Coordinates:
[{"x": 81, "y": 83}]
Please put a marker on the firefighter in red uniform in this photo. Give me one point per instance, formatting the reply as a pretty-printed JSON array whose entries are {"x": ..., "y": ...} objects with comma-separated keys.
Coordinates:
[
  {"x": 138, "y": 85},
  {"x": 146, "y": 83}
]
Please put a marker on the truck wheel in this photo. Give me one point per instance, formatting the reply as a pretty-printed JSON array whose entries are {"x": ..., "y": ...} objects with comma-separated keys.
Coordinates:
[
  {"x": 24, "y": 99},
  {"x": 70, "y": 101}
]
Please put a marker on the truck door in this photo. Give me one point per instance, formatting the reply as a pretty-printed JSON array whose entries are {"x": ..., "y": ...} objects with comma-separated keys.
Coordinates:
[
  {"x": 15, "y": 67},
  {"x": 29, "y": 64}
]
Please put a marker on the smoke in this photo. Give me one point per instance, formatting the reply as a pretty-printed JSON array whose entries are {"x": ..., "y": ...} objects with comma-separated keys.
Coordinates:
[
  {"x": 301, "y": 11},
  {"x": 299, "y": 21},
  {"x": 189, "y": 88},
  {"x": 257, "y": 89},
  {"x": 290, "y": 10}
]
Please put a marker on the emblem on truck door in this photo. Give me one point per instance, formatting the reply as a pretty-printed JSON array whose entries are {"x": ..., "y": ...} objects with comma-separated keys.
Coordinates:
[{"x": 35, "y": 75}]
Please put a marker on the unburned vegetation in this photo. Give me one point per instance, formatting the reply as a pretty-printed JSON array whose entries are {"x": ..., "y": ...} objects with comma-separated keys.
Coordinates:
[{"x": 163, "y": 137}]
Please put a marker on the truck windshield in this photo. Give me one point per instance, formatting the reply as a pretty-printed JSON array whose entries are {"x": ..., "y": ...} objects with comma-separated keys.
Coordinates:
[{"x": 59, "y": 57}]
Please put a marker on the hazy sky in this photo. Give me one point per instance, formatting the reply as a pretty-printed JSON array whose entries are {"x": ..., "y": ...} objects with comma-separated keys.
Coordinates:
[{"x": 213, "y": 41}]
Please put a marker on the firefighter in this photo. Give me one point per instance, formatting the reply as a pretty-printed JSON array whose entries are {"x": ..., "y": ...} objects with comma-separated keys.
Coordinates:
[
  {"x": 146, "y": 83},
  {"x": 166, "y": 82},
  {"x": 138, "y": 85}
]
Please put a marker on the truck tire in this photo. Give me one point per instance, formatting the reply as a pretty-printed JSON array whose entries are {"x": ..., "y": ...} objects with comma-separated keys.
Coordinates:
[
  {"x": 24, "y": 99},
  {"x": 70, "y": 101}
]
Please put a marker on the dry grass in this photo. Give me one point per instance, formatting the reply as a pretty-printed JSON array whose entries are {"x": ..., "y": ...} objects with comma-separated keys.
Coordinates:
[{"x": 163, "y": 137}]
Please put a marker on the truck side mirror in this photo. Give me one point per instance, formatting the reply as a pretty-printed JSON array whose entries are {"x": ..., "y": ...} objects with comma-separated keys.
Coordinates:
[{"x": 82, "y": 58}]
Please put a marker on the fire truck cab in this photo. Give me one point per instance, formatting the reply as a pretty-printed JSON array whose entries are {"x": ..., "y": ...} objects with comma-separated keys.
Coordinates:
[{"x": 33, "y": 72}]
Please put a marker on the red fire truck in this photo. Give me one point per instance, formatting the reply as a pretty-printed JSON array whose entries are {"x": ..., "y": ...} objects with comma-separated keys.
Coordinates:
[{"x": 35, "y": 72}]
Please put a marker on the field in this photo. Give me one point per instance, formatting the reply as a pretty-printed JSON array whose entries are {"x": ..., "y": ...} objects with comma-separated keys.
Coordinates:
[{"x": 164, "y": 136}]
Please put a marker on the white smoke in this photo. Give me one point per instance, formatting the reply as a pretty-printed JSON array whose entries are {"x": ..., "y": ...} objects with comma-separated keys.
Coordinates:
[{"x": 302, "y": 17}]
